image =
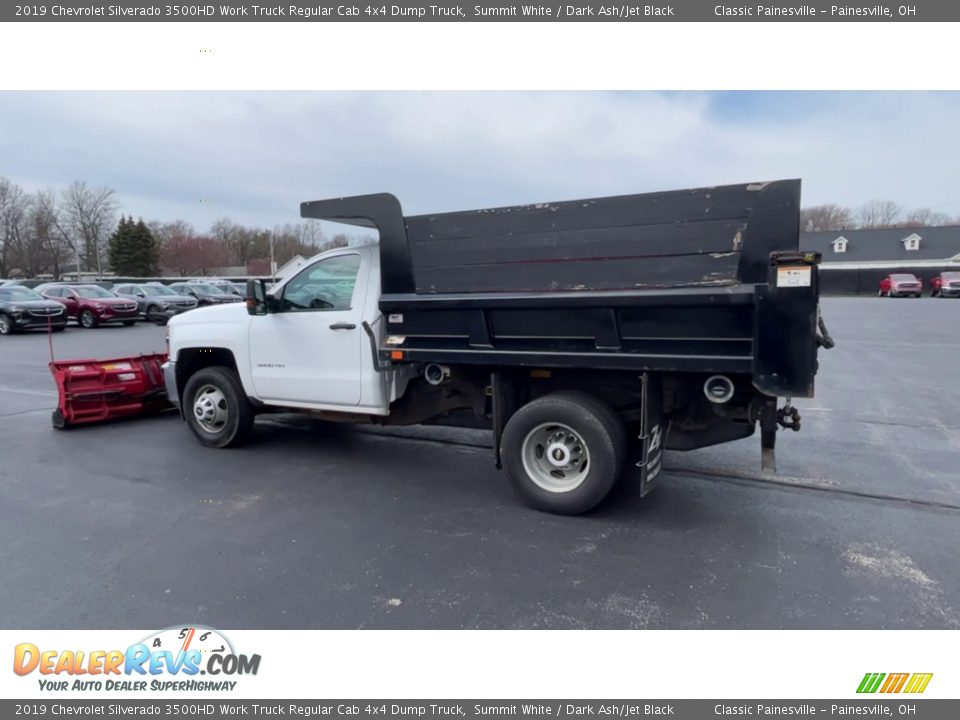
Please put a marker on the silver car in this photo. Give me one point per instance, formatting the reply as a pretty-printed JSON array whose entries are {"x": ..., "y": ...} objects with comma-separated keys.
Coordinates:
[{"x": 157, "y": 303}]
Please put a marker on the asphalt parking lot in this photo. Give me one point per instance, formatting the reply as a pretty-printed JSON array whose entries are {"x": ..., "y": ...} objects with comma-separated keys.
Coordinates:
[{"x": 135, "y": 525}]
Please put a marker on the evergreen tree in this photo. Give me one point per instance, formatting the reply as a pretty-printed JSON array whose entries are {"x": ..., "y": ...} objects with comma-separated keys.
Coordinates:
[
  {"x": 148, "y": 249},
  {"x": 118, "y": 249},
  {"x": 134, "y": 250}
]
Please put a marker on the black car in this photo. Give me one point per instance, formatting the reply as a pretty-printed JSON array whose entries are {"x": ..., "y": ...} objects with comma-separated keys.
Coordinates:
[
  {"x": 156, "y": 303},
  {"x": 205, "y": 293},
  {"x": 22, "y": 308}
]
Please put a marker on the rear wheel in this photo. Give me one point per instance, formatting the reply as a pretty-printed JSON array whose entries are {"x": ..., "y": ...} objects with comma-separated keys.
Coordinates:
[
  {"x": 6, "y": 324},
  {"x": 217, "y": 409},
  {"x": 564, "y": 452},
  {"x": 88, "y": 319}
]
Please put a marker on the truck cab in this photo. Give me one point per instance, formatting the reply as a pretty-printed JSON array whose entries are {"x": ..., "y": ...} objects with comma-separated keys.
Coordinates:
[{"x": 308, "y": 346}]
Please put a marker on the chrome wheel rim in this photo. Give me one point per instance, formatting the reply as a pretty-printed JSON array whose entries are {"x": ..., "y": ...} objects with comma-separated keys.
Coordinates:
[
  {"x": 4, "y": 325},
  {"x": 555, "y": 458},
  {"x": 210, "y": 409},
  {"x": 86, "y": 319}
]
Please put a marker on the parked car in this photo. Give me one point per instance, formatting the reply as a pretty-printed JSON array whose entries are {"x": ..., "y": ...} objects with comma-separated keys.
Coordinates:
[
  {"x": 156, "y": 303},
  {"x": 91, "y": 305},
  {"x": 205, "y": 293},
  {"x": 27, "y": 283},
  {"x": 900, "y": 284},
  {"x": 22, "y": 308},
  {"x": 946, "y": 284},
  {"x": 229, "y": 288}
]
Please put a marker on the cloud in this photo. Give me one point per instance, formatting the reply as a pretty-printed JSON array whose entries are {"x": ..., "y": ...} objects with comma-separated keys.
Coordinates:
[{"x": 254, "y": 156}]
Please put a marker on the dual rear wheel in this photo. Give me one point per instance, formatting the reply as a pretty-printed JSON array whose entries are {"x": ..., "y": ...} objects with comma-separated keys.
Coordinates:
[{"x": 564, "y": 452}]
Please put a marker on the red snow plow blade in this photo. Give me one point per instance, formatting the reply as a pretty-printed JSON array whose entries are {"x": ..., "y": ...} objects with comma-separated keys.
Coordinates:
[{"x": 97, "y": 390}]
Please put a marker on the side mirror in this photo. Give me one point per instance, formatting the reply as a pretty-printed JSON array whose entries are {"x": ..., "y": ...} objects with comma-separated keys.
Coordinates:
[{"x": 257, "y": 297}]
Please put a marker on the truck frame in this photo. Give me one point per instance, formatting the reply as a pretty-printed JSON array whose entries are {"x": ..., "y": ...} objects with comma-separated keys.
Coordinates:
[{"x": 588, "y": 335}]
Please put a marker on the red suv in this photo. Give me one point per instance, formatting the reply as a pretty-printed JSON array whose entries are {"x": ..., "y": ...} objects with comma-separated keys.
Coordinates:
[
  {"x": 91, "y": 305},
  {"x": 946, "y": 284},
  {"x": 899, "y": 284}
]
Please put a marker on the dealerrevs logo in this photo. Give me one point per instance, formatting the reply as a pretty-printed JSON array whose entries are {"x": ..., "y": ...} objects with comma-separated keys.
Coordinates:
[{"x": 172, "y": 659}]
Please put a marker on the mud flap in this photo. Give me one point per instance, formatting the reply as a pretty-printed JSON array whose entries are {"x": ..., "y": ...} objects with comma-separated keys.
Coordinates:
[
  {"x": 647, "y": 438},
  {"x": 768, "y": 436}
]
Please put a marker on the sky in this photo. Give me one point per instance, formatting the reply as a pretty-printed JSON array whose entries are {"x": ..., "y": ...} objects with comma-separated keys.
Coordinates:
[{"x": 254, "y": 156}]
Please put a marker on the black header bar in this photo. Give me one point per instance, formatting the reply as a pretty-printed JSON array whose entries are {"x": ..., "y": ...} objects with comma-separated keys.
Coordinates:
[{"x": 504, "y": 11}]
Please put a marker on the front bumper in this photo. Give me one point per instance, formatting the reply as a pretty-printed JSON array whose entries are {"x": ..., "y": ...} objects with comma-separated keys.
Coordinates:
[
  {"x": 117, "y": 315},
  {"x": 950, "y": 291},
  {"x": 26, "y": 321},
  {"x": 170, "y": 382},
  {"x": 169, "y": 311}
]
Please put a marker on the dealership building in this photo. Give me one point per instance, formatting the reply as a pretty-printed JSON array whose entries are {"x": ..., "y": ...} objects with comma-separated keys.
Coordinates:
[{"x": 854, "y": 261}]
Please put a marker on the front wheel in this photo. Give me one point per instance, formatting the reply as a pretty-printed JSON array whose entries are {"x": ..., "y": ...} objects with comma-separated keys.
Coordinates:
[
  {"x": 88, "y": 319},
  {"x": 217, "y": 409},
  {"x": 6, "y": 324},
  {"x": 563, "y": 452}
]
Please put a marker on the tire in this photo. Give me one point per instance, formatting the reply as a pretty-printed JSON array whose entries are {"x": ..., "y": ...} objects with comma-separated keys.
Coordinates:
[
  {"x": 87, "y": 319},
  {"x": 229, "y": 415},
  {"x": 590, "y": 434},
  {"x": 150, "y": 314},
  {"x": 7, "y": 326}
]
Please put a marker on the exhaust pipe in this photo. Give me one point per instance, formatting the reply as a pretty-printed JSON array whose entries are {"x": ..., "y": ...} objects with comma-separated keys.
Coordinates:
[
  {"x": 436, "y": 374},
  {"x": 718, "y": 389}
]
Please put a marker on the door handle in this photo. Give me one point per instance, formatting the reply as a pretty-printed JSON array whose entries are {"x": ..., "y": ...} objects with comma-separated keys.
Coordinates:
[{"x": 343, "y": 326}]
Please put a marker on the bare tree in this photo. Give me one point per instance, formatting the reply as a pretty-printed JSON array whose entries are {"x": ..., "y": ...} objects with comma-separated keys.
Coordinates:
[
  {"x": 339, "y": 240},
  {"x": 242, "y": 244},
  {"x": 879, "y": 214},
  {"x": 925, "y": 217},
  {"x": 14, "y": 207},
  {"x": 90, "y": 214},
  {"x": 819, "y": 218},
  {"x": 50, "y": 230}
]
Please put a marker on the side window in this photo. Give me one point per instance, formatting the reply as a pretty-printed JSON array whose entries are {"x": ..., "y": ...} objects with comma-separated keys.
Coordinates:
[
  {"x": 55, "y": 292},
  {"x": 326, "y": 285}
]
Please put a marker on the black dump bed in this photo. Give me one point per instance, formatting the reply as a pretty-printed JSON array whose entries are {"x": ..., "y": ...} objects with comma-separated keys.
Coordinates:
[{"x": 702, "y": 280}]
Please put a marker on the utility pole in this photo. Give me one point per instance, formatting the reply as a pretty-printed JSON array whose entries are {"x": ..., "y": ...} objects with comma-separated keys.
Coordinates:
[{"x": 273, "y": 264}]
